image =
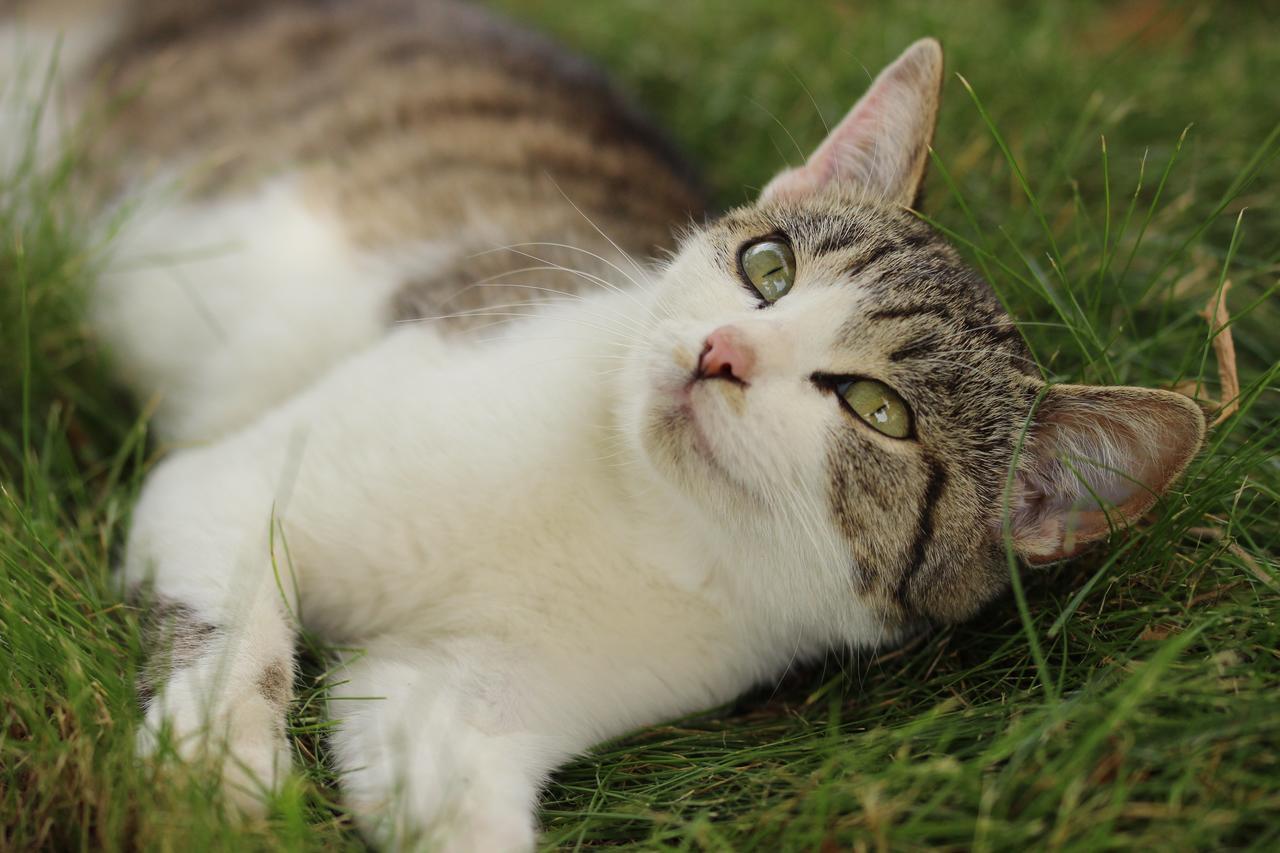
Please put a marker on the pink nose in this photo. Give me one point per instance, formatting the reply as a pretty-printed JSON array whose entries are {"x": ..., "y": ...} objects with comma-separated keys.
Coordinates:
[{"x": 726, "y": 355}]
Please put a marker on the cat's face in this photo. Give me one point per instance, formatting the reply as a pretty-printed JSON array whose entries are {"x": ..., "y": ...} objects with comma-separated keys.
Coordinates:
[
  {"x": 822, "y": 368},
  {"x": 895, "y": 494}
]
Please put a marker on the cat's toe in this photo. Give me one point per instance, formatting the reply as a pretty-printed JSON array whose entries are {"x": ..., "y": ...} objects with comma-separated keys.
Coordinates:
[
  {"x": 252, "y": 771},
  {"x": 244, "y": 744}
]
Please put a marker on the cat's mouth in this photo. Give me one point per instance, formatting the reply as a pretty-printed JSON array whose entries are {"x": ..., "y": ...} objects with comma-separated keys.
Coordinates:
[
  {"x": 701, "y": 388},
  {"x": 691, "y": 420},
  {"x": 697, "y": 430},
  {"x": 699, "y": 402}
]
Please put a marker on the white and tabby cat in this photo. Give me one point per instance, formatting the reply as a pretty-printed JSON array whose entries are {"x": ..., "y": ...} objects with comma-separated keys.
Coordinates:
[{"x": 596, "y": 490}]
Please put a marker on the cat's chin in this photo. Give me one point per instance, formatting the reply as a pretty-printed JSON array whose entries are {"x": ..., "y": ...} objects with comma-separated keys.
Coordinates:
[{"x": 677, "y": 434}]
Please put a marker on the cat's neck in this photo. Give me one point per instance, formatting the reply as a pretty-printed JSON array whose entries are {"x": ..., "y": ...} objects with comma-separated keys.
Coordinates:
[{"x": 580, "y": 353}]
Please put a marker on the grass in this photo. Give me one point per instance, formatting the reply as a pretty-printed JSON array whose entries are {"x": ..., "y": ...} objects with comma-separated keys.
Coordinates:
[{"x": 1127, "y": 699}]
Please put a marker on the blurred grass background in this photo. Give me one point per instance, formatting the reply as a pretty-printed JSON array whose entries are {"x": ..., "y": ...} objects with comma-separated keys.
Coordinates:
[{"x": 1130, "y": 702}]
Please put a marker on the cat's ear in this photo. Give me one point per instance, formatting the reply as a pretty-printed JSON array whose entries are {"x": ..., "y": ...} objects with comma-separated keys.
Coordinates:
[
  {"x": 879, "y": 151},
  {"x": 1095, "y": 457}
]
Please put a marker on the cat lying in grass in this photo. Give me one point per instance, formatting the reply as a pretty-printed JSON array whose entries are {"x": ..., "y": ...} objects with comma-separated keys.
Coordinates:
[{"x": 430, "y": 396}]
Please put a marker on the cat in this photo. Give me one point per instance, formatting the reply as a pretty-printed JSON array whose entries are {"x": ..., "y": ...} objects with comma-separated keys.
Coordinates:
[{"x": 432, "y": 391}]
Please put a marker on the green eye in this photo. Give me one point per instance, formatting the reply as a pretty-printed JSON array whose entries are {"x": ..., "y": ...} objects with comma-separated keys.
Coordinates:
[
  {"x": 878, "y": 405},
  {"x": 770, "y": 267}
]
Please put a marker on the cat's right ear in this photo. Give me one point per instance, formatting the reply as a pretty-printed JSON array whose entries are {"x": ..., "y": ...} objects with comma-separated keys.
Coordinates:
[
  {"x": 879, "y": 151},
  {"x": 1097, "y": 457}
]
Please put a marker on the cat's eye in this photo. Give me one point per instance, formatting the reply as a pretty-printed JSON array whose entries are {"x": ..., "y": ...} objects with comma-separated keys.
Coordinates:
[
  {"x": 770, "y": 268},
  {"x": 878, "y": 405}
]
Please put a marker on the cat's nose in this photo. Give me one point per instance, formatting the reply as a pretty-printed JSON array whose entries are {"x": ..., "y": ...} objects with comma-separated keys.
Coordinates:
[{"x": 726, "y": 355}]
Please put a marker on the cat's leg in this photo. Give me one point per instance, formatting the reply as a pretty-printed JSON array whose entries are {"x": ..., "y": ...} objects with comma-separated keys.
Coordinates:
[
  {"x": 216, "y": 688},
  {"x": 220, "y": 656},
  {"x": 434, "y": 751}
]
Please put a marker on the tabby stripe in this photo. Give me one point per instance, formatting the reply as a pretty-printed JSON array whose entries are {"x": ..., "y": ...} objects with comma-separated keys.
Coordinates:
[
  {"x": 871, "y": 257},
  {"x": 910, "y": 311},
  {"x": 917, "y": 239},
  {"x": 914, "y": 350},
  {"x": 442, "y": 116},
  {"x": 924, "y": 526},
  {"x": 569, "y": 76},
  {"x": 619, "y": 195},
  {"x": 845, "y": 238}
]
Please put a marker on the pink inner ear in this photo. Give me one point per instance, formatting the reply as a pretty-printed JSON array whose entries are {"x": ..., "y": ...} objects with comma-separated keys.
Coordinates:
[
  {"x": 846, "y": 145},
  {"x": 1046, "y": 529},
  {"x": 1121, "y": 446},
  {"x": 879, "y": 150}
]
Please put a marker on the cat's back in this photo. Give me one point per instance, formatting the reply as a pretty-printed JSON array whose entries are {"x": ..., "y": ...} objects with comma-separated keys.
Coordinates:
[
  {"x": 311, "y": 172},
  {"x": 411, "y": 117}
]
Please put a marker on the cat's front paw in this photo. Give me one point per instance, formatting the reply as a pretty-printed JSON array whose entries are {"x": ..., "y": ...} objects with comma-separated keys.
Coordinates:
[
  {"x": 459, "y": 793},
  {"x": 481, "y": 828},
  {"x": 492, "y": 813},
  {"x": 472, "y": 819},
  {"x": 467, "y": 826},
  {"x": 243, "y": 741}
]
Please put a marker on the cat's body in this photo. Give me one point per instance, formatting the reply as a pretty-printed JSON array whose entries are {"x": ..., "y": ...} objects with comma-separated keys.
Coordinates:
[
  {"x": 646, "y": 496},
  {"x": 343, "y": 164}
]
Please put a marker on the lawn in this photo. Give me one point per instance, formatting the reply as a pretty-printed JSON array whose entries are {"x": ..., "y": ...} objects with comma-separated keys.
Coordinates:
[{"x": 1110, "y": 167}]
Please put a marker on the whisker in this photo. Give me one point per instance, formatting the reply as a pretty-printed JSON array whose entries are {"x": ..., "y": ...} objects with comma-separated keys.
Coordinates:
[
  {"x": 626, "y": 343},
  {"x": 598, "y": 229},
  {"x": 1019, "y": 324},
  {"x": 490, "y": 281},
  {"x": 516, "y": 248},
  {"x": 826, "y": 127},
  {"x": 780, "y": 124},
  {"x": 470, "y": 312},
  {"x": 983, "y": 349},
  {"x": 634, "y": 332},
  {"x": 487, "y": 312},
  {"x": 572, "y": 248},
  {"x": 493, "y": 282}
]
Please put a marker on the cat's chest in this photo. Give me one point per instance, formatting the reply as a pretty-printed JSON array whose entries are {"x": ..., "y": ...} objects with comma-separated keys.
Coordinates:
[
  {"x": 551, "y": 558},
  {"x": 431, "y": 486}
]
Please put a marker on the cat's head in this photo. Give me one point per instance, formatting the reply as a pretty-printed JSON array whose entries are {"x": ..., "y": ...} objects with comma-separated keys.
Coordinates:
[{"x": 827, "y": 373}]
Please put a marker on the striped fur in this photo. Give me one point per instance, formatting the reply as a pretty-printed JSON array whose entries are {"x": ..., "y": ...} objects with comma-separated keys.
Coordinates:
[{"x": 410, "y": 121}]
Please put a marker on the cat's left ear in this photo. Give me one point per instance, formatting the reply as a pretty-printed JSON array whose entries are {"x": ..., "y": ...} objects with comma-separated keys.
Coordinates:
[
  {"x": 1094, "y": 457},
  {"x": 879, "y": 151}
]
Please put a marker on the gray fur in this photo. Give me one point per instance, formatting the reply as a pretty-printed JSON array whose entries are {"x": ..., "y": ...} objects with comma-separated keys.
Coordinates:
[{"x": 174, "y": 637}]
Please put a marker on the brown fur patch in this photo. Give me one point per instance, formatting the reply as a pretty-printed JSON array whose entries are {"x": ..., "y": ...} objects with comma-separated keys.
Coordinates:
[{"x": 275, "y": 684}]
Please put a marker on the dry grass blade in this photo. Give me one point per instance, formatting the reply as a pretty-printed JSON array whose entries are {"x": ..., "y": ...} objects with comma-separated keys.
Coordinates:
[
  {"x": 1224, "y": 350},
  {"x": 1220, "y": 535}
]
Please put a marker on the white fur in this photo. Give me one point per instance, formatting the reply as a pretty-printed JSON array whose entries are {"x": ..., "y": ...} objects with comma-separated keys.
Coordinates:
[
  {"x": 222, "y": 308},
  {"x": 523, "y": 574}
]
